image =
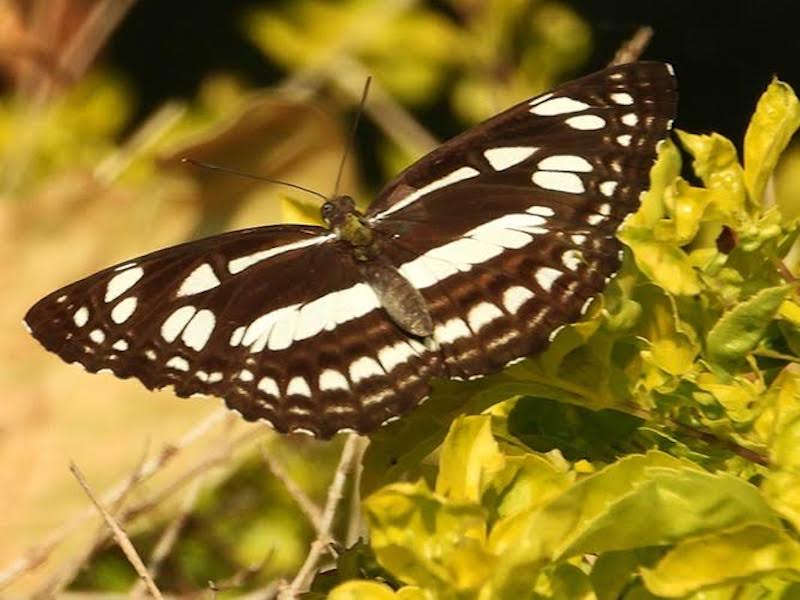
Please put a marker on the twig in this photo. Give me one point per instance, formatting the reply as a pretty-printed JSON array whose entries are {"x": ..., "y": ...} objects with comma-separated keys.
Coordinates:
[
  {"x": 200, "y": 468},
  {"x": 631, "y": 50},
  {"x": 167, "y": 540},
  {"x": 310, "y": 510},
  {"x": 355, "y": 522},
  {"x": 148, "y": 135},
  {"x": 302, "y": 580},
  {"x": 57, "y": 584},
  {"x": 122, "y": 539},
  {"x": 86, "y": 43},
  {"x": 39, "y": 554}
]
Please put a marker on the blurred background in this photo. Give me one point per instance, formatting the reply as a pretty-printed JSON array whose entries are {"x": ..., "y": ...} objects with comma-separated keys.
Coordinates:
[{"x": 100, "y": 101}]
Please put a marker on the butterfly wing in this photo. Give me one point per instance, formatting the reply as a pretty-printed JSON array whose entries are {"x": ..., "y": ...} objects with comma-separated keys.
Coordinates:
[
  {"x": 509, "y": 229},
  {"x": 276, "y": 320}
]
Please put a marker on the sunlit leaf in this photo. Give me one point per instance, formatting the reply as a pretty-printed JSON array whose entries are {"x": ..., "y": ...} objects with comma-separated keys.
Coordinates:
[
  {"x": 739, "y": 330},
  {"x": 776, "y": 119},
  {"x": 724, "y": 557}
]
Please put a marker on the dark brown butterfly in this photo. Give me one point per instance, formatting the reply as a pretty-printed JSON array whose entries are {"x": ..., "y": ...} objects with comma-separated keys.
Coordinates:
[{"x": 472, "y": 258}]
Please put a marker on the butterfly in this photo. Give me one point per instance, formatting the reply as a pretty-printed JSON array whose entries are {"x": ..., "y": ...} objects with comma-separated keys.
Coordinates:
[{"x": 469, "y": 260}]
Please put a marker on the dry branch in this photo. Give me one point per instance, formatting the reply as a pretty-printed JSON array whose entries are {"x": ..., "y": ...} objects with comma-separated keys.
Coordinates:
[{"x": 120, "y": 536}]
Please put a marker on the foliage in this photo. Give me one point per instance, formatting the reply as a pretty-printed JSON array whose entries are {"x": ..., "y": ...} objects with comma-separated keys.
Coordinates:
[{"x": 535, "y": 498}]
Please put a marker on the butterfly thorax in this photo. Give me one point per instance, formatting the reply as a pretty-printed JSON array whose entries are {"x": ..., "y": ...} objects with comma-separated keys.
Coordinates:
[
  {"x": 401, "y": 300},
  {"x": 349, "y": 225}
]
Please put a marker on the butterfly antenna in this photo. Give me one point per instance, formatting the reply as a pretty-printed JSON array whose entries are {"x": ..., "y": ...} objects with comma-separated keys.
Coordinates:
[
  {"x": 210, "y": 167},
  {"x": 352, "y": 136}
]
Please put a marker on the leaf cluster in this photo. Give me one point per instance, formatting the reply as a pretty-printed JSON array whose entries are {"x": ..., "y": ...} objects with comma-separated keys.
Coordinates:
[{"x": 653, "y": 450}]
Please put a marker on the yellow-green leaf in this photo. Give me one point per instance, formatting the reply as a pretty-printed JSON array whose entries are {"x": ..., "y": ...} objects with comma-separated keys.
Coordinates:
[
  {"x": 371, "y": 590},
  {"x": 423, "y": 539},
  {"x": 740, "y": 330},
  {"x": 776, "y": 119},
  {"x": 716, "y": 163},
  {"x": 469, "y": 459},
  {"x": 721, "y": 558}
]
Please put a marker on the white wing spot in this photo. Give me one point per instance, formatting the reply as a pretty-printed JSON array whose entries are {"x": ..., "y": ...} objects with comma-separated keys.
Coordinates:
[
  {"x": 579, "y": 239},
  {"x": 179, "y": 363},
  {"x": 331, "y": 379},
  {"x": 507, "y": 238},
  {"x": 237, "y": 265},
  {"x": 559, "y": 182},
  {"x": 364, "y": 368},
  {"x": 376, "y": 398},
  {"x": 566, "y": 162},
  {"x": 215, "y": 377},
  {"x": 122, "y": 282},
  {"x": 542, "y": 211},
  {"x": 245, "y": 375},
  {"x": 604, "y": 209},
  {"x": 175, "y": 323},
  {"x": 127, "y": 265},
  {"x": 202, "y": 376},
  {"x": 199, "y": 329},
  {"x": 257, "y": 333},
  {"x": 150, "y": 355},
  {"x": 546, "y": 277},
  {"x": 237, "y": 335},
  {"x": 81, "y": 316},
  {"x": 624, "y": 140},
  {"x": 607, "y": 188},
  {"x": 572, "y": 259},
  {"x": 392, "y": 356},
  {"x": 504, "y": 158},
  {"x": 269, "y": 386},
  {"x": 120, "y": 345},
  {"x": 558, "y": 106},
  {"x": 123, "y": 310},
  {"x": 482, "y": 314},
  {"x": 61, "y": 299},
  {"x": 97, "y": 336},
  {"x": 595, "y": 219},
  {"x": 540, "y": 99},
  {"x": 515, "y": 296},
  {"x": 201, "y": 279},
  {"x": 459, "y": 174},
  {"x": 298, "y": 387},
  {"x": 586, "y": 122},
  {"x": 630, "y": 119},
  {"x": 622, "y": 98},
  {"x": 452, "y": 330}
]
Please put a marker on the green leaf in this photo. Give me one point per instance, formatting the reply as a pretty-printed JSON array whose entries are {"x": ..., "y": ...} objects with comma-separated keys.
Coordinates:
[
  {"x": 531, "y": 481},
  {"x": 370, "y": 590},
  {"x": 469, "y": 459},
  {"x": 776, "y": 119},
  {"x": 662, "y": 175},
  {"x": 717, "y": 165},
  {"x": 639, "y": 501},
  {"x": 739, "y": 331},
  {"x": 662, "y": 262},
  {"x": 426, "y": 540},
  {"x": 725, "y": 557}
]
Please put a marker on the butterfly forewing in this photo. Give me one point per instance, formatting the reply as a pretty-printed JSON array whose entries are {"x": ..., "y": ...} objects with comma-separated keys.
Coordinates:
[
  {"x": 507, "y": 231},
  {"x": 275, "y": 320}
]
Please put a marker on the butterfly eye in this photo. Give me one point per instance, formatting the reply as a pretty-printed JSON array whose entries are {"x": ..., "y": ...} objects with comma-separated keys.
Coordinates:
[{"x": 327, "y": 211}]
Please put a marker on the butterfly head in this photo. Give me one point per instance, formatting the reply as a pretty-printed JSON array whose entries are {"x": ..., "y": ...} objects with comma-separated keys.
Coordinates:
[{"x": 342, "y": 217}]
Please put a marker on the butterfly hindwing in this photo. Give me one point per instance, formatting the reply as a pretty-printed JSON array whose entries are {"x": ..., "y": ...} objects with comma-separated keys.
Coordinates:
[{"x": 509, "y": 229}]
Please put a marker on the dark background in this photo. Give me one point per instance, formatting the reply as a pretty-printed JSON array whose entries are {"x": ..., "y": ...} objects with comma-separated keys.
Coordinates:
[{"x": 724, "y": 52}]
